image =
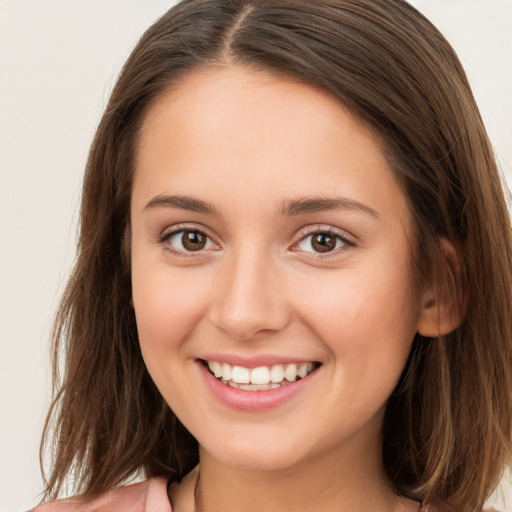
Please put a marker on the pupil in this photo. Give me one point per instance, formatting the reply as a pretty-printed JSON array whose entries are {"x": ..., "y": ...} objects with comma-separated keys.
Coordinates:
[
  {"x": 193, "y": 241},
  {"x": 323, "y": 242}
]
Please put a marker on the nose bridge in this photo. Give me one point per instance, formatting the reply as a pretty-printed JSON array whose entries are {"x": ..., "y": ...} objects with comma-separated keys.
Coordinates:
[{"x": 250, "y": 295}]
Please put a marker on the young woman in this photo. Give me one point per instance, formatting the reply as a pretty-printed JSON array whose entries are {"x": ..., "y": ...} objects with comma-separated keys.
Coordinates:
[{"x": 293, "y": 288}]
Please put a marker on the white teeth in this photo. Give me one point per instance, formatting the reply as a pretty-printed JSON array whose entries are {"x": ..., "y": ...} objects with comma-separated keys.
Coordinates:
[
  {"x": 261, "y": 377},
  {"x": 302, "y": 370},
  {"x": 251, "y": 387},
  {"x": 290, "y": 372},
  {"x": 216, "y": 368},
  {"x": 241, "y": 375},
  {"x": 227, "y": 371},
  {"x": 277, "y": 373}
]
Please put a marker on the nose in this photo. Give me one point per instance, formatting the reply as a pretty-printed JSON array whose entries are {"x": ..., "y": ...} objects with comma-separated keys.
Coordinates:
[{"x": 250, "y": 297}]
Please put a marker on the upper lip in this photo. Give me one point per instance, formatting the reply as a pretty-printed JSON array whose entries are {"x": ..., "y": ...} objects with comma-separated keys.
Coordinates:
[{"x": 254, "y": 361}]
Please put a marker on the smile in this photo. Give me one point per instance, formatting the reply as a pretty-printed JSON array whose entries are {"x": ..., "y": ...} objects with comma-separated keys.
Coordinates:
[{"x": 261, "y": 378}]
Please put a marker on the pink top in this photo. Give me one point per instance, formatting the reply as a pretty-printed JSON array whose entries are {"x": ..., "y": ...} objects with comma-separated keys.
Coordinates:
[{"x": 148, "y": 496}]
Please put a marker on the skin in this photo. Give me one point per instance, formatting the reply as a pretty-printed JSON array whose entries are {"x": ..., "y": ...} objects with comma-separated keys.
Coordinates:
[{"x": 247, "y": 142}]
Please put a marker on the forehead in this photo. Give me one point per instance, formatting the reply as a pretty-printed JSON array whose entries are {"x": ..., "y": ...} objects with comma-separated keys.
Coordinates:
[{"x": 240, "y": 132}]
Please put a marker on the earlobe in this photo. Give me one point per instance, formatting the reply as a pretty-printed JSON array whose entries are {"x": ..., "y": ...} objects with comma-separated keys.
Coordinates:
[{"x": 442, "y": 306}]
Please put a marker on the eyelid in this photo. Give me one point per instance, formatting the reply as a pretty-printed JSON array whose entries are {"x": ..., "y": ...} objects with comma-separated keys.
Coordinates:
[
  {"x": 186, "y": 226},
  {"x": 349, "y": 240},
  {"x": 170, "y": 231}
]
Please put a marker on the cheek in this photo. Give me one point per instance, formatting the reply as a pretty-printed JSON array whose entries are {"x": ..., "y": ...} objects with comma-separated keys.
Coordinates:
[
  {"x": 364, "y": 317},
  {"x": 168, "y": 307},
  {"x": 368, "y": 324}
]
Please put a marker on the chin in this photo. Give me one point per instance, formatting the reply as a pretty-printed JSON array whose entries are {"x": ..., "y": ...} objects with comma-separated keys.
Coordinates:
[{"x": 262, "y": 455}]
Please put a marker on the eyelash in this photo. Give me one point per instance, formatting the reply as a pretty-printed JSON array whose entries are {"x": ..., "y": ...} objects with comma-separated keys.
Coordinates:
[
  {"x": 346, "y": 242},
  {"x": 166, "y": 236}
]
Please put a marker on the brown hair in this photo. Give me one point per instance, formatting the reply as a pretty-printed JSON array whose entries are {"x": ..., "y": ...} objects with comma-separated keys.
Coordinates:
[{"x": 448, "y": 425}]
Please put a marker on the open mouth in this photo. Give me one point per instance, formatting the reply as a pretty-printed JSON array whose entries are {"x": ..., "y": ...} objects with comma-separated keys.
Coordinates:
[{"x": 260, "y": 378}]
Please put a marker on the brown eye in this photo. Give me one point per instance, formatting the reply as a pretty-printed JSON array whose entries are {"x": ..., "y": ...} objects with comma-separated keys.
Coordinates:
[
  {"x": 322, "y": 242},
  {"x": 193, "y": 240},
  {"x": 188, "y": 240}
]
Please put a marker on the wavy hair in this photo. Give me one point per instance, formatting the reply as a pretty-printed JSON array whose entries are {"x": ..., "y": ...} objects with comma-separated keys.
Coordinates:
[{"x": 448, "y": 426}]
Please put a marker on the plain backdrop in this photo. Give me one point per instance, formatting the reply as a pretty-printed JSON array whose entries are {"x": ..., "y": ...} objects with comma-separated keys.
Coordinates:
[{"x": 58, "y": 62}]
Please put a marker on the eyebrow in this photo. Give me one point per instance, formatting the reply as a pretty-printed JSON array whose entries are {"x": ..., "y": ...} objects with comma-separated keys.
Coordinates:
[
  {"x": 182, "y": 202},
  {"x": 320, "y": 204},
  {"x": 290, "y": 207}
]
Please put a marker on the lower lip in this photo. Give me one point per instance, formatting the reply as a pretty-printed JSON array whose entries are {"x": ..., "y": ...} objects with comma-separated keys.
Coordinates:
[{"x": 254, "y": 401}]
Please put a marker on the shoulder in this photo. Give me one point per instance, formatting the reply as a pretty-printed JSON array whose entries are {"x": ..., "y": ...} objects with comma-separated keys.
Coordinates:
[{"x": 147, "y": 496}]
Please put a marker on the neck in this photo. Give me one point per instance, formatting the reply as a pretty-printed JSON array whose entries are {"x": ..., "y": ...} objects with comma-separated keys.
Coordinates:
[{"x": 348, "y": 480}]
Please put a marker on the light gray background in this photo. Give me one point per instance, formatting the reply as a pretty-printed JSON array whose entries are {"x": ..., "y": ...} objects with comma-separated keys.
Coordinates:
[{"x": 58, "y": 62}]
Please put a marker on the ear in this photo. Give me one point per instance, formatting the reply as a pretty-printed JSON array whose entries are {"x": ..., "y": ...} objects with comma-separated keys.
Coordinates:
[
  {"x": 442, "y": 305},
  {"x": 131, "y": 303}
]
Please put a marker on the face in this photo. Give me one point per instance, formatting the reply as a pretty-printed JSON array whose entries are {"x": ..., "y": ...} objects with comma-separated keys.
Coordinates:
[{"x": 270, "y": 268}]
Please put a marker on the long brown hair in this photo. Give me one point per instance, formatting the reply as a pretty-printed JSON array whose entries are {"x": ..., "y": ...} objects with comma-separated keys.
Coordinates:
[{"x": 448, "y": 426}]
